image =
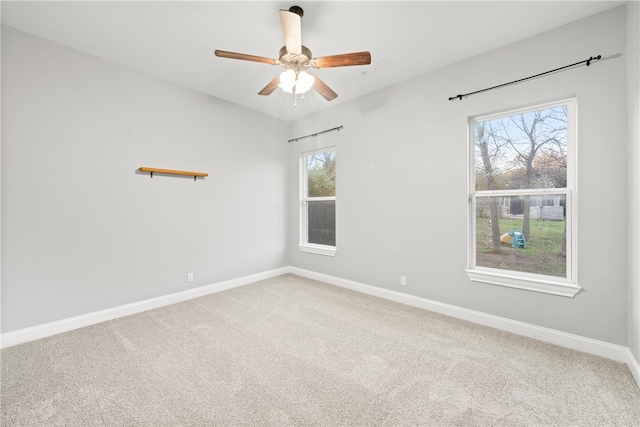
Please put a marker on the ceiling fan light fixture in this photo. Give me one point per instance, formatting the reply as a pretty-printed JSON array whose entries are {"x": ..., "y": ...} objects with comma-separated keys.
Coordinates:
[
  {"x": 292, "y": 82},
  {"x": 304, "y": 82},
  {"x": 287, "y": 80}
]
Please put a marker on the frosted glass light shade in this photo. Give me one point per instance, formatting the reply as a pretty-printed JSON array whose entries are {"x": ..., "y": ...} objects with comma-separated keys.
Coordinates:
[
  {"x": 305, "y": 81},
  {"x": 288, "y": 80},
  {"x": 301, "y": 81}
]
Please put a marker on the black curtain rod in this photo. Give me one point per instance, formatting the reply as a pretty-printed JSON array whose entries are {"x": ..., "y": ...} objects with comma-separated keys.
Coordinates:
[
  {"x": 586, "y": 61},
  {"x": 316, "y": 134}
]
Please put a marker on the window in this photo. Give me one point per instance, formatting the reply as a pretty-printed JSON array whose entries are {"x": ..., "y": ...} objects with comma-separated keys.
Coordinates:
[
  {"x": 522, "y": 199},
  {"x": 318, "y": 206}
]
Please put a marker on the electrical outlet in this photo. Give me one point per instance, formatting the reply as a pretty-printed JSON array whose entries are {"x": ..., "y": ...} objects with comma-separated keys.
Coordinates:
[
  {"x": 403, "y": 280},
  {"x": 189, "y": 277}
]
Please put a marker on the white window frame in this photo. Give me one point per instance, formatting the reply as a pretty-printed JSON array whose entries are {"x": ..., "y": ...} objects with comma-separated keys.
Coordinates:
[
  {"x": 304, "y": 245},
  {"x": 567, "y": 286}
]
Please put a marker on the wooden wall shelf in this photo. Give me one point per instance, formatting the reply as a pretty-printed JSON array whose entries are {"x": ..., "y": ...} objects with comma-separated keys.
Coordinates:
[{"x": 195, "y": 175}]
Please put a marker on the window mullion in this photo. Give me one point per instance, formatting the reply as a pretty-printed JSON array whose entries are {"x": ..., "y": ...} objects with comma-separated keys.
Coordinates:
[
  {"x": 521, "y": 192},
  {"x": 319, "y": 199}
]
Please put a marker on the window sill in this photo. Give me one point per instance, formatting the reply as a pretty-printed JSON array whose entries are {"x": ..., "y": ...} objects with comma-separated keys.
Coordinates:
[
  {"x": 318, "y": 249},
  {"x": 529, "y": 283}
]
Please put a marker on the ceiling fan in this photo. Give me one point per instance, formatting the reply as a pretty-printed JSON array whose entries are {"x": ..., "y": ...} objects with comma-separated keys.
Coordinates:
[{"x": 296, "y": 59}]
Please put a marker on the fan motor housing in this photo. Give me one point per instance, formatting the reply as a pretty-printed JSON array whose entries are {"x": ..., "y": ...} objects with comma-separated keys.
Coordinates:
[{"x": 293, "y": 61}]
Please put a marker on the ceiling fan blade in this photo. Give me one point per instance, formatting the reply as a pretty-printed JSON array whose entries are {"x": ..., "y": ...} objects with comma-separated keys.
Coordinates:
[
  {"x": 324, "y": 90},
  {"x": 245, "y": 57},
  {"x": 270, "y": 87},
  {"x": 343, "y": 60},
  {"x": 292, "y": 31}
]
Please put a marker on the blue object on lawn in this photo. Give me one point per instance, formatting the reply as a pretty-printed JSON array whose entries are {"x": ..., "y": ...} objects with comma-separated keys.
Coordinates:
[{"x": 517, "y": 239}]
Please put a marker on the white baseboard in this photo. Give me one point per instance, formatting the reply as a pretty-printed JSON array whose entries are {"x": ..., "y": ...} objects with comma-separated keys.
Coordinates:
[
  {"x": 53, "y": 328},
  {"x": 575, "y": 342},
  {"x": 634, "y": 366}
]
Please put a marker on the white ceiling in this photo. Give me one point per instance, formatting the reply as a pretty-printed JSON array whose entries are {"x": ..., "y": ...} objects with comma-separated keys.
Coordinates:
[{"x": 175, "y": 40}]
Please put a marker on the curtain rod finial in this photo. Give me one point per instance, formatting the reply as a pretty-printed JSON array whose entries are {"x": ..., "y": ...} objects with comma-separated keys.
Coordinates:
[{"x": 593, "y": 58}]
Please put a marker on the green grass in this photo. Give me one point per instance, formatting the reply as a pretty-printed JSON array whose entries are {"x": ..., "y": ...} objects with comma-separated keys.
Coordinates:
[{"x": 542, "y": 253}]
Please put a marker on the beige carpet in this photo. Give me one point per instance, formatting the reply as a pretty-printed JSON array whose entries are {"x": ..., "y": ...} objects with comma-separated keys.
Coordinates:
[{"x": 292, "y": 351}]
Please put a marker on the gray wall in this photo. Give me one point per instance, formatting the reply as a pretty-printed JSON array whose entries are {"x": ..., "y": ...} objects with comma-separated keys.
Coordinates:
[
  {"x": 633, "y": 77},
  {"x": 81, "y": 230},
  {"x": 402, "y": 179}
]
